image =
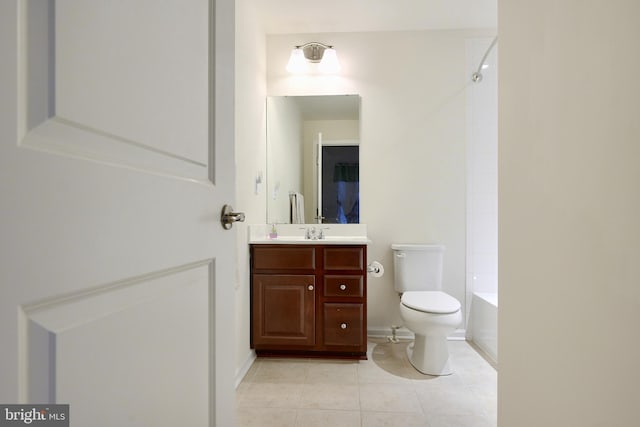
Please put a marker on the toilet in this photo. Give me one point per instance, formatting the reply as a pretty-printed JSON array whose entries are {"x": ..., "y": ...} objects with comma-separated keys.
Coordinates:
[{"x": 432, "y": 315}]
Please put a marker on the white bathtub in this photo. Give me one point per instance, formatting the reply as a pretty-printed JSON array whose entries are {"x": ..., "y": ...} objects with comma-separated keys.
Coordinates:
[{"x": 484, "y": 323}]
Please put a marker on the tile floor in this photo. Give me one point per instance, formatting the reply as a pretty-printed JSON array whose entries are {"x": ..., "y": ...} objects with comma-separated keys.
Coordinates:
[{"x": 384, "y": 390}]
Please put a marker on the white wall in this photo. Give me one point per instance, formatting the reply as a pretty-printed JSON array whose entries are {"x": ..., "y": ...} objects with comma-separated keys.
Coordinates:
[
  {"x": 569, "y": 209},
  {"x": 412, "y": 141},
  {"x": 482, "y": 169},
  {"x": 250, "y": 159},
  {"x": 482, "y": 172}
]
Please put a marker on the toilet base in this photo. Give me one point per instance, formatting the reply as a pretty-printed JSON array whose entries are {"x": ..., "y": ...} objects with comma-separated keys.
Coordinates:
[{"x": 430, "y": 355}]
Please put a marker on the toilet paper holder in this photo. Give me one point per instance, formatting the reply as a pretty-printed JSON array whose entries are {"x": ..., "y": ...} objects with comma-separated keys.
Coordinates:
[{"x": 375, "y": 269}]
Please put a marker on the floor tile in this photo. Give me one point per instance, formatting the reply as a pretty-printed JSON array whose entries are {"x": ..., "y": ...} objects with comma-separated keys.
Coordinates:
[
  {"x": 330, "y": 396},
  {"x": 390, "y": 398},
  {"x": 270, "y": 395},
  {"x": 459, "y": 421},
  {"x": 387, "y": 373},
  {"x": 281, "y": 371},
  {"x": 384, "y": 390},
  {"x": 332, "y": 372},
  {"x": 393, "y": 419},
  {"x": 266, "y": 417},
  {"x": 450, "y": 401},
  {"x": 325, "y": 418}
]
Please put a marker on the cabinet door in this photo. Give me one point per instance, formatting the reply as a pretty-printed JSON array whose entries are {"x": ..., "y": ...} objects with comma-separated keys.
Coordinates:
[{"x": 283, "y": 310}]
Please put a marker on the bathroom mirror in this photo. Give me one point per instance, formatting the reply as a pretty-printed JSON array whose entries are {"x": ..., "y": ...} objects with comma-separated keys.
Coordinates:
[{"x": 313, "y": 145}]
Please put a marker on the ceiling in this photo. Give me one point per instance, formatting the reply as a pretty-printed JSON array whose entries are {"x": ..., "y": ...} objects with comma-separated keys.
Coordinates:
[{"x": 321, "y": 16}]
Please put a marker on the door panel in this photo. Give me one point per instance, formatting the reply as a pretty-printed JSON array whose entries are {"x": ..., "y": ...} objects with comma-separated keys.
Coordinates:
[
  {"x": 148, "y": 82},
  {"x": 116, "y": 157},
  {"x": 104, "y": 338},
  {"x": 120, "y": 97}
]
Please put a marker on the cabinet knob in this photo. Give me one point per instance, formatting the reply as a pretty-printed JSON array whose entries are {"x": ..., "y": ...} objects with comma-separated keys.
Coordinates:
[
  {"x": 310, "y": 287},
  {"x": 343, "y": 287},
  {"x": 343, "y": 326}
]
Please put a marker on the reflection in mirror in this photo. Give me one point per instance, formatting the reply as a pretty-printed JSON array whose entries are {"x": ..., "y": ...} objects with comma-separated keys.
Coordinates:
[{"x": 313, "y": 159}]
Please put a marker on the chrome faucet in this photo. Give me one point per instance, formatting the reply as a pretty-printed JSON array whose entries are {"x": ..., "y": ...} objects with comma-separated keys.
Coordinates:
[
  {"x": 313, "y": 233},
  {"x": 321, "y": 234},
  {"x": 309, "y": 233}
]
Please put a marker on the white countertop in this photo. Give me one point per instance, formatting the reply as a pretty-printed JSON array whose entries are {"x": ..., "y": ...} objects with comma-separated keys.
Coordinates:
[
  {"x": 294, "y": 234},
  {"x": 297, "y": 240}
]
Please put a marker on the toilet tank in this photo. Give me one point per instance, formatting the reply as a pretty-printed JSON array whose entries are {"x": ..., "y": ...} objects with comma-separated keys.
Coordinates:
[{"x": 417, "y": 267}]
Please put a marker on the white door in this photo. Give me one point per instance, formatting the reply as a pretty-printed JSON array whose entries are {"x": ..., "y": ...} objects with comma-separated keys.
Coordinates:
[{"x": 116, "y": 158}]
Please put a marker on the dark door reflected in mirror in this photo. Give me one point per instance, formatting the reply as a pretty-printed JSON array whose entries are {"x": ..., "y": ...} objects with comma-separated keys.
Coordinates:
[{"x": 340, "y": 184}]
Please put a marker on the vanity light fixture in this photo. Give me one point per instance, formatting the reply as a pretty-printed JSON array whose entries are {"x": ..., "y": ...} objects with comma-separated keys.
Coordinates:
[{"x": 317, "y": 53}]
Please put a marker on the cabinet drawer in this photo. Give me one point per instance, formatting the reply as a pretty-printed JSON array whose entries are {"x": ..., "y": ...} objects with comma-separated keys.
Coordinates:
[
  {"x": 343, "y": 286},
  {"x": 284, "y": 258},
  {"x": 341, "y": 258},
  {"x": 343, "y": 324}
]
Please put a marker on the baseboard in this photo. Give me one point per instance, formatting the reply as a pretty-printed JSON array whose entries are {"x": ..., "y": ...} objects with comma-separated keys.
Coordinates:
[
  {"x": 242, "y": 371},
  {"x": 490, "y": 359},
  {"x": 458, "y": 335},
  {"x": 383, "y": 332},
  {"x": 404, "y": 333}
]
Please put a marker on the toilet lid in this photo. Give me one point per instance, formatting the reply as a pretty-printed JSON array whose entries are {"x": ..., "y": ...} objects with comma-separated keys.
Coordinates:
[{"x": 430, "y": 302}]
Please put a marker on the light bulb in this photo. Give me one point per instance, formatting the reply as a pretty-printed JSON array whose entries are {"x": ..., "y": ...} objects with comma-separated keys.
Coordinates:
[
  {"x": 297, "y": 63},
  {"x": 329, "y": 63}
]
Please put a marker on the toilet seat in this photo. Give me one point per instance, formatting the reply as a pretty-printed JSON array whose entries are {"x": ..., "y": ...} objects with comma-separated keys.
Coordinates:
[{"x": 436, "y": 302}]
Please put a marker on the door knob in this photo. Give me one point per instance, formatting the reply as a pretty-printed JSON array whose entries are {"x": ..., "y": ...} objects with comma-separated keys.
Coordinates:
[{"x": 228, "y": 217}]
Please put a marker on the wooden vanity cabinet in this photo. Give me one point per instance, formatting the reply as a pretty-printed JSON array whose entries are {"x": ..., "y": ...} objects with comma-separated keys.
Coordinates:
[{"x": 309, "y": 300}]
